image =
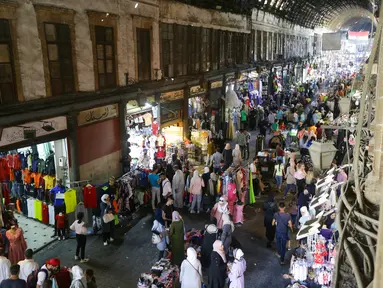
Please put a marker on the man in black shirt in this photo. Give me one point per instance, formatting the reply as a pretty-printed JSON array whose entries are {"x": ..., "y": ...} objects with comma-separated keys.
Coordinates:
[{"x": 14, "y": 281}]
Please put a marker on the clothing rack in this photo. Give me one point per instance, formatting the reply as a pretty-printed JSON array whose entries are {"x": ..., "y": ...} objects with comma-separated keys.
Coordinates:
[{"x": 78, "y": 183}]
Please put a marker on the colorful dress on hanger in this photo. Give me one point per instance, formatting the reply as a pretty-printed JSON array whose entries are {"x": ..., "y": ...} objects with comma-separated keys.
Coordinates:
[
  {"x": 231, "y": 196},
  {"x": 17, "y": 245}
]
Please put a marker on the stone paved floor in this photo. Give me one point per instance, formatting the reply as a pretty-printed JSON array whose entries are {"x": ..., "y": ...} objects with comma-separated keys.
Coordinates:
[{"x": 120, "y": 264}]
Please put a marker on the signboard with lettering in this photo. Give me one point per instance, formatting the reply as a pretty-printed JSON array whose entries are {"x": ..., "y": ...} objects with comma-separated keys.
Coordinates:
[
  {"x": 97, "y": 114},
  {"x": 171, "y": 96},
  {"x": 12, "y": 135},
  {"x": 216, "y": 84},
  {"x": 197, "y": 90}
]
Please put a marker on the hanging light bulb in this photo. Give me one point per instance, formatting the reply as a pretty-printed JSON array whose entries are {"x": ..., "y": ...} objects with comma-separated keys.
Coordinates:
[{"x": 135, "y": 6}]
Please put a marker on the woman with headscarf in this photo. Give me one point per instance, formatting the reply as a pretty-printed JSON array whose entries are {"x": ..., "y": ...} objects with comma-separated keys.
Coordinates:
[
  {"x": 178, "y": 186},
  {"x": 270, "y": 207},
  {"x": 177, "y": 234},
  {"x": 227, "y": 232},
  {"x": 78, "y": 278},
  {"x": 107, "y": 228},
  {"x": 305, "y": 216},
  {"x": 220, "y": 208},
  {"x": 159, "y": 229},
  {"x": 217, "y": 269},
  {"x": 209, "y": 237},
  {"x": 237, "y": 270},
  {"x": 237, "y": 156},
  {"x": 191, "y": 270},
  {"x": 227, "y": 156},
  {"x": 196, "y": 185}
]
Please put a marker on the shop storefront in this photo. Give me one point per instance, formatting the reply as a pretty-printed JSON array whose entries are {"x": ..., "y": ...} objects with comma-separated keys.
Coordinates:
[
  {"x": 170, "y": 138},
  {"x": 216, "y": 102},
  {"x": 33, "y": 156},
  {"x": 198, "y": 107}
]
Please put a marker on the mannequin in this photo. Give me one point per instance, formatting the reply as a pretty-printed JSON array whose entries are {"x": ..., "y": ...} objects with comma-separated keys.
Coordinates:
[{"x": 17, "y": 244}]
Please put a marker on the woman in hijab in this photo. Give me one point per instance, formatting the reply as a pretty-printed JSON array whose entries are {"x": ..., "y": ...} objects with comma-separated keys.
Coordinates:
[
  {"x": 218, "y": 210},
  {"x": 227, "y": 231},
  {"x": 207, "y": 197},
  {"x": 107, "y": 228},
  {"x": 159, "y": 228},
  {"x": 178, "y": 186},
  {"x": 217, "y": 269},
  {"x": 191, "y": 270},
  {"x": 227, "y": 156},
  {"x": 270, "y": 208},
  {"x": 305, "y": 216},
  {"x": 207, "y": 244},
  {"x": 237, "y": 158},
  {"x": 78, "y": 278},
  {"x": 196, "y": 185},
  {"x": 177, "y": 232},
  {"x": 237, "y": 270}
]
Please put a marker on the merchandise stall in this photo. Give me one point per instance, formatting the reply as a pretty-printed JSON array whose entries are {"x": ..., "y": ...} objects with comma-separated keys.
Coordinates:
[
  {"x": 197, "y": 151},
  {"x": 198, "y": 107},
  {"x": 216, "y": 106},
  {"x": 315, "y": 263},
  {"x": 162, "y": 274},
  {"x": 142, "y": 128}
]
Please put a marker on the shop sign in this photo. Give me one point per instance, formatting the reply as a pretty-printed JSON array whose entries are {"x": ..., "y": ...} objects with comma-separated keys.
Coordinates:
[
  {"x": 216, "y": 84},
  {"x": 12, "y": 135},
  {"x": 197, "y": 90},
  {"x": 97, "y": 114},
  {"x": 171, "y": 96},
  {"x": 170, "y": 116}
]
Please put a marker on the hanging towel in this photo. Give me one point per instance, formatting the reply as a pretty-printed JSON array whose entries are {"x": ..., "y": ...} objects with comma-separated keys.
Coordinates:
[
  {"x": 251, "y": 191},
  {"x": 39, "y": 210}
]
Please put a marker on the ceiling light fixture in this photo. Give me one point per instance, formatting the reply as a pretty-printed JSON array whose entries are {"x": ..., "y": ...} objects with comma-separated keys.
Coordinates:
[{"x": 135, "y": 6}]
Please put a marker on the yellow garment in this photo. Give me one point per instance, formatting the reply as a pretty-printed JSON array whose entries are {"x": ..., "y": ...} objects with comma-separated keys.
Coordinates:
[
  {"x": 50, "y": 182},
  {"x": 230, "y": 130},
  {"x": 39, "y": 210},
  {"x": 70, "y": 200},
  {"x": 219, "y": 184},
  {"x": 210, "y": 148}
]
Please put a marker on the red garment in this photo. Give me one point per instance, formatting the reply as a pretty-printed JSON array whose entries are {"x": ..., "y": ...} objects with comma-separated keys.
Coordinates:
[
  {"x": 154, "y": 127},
  {"x": 11, "y": 174},
  {"x": 6, "y": 194},
  {"x": 4, "y": 170},
  {"x": 27, "y": 176},
  {"x": 17, "y": 245},
  {"x": 63, "y": 278},
  {"x": 16, "y": 162},
  {"x": 10, "y": 161},
  {"x": 45, "y": 214},
  {"x": 90, "y": 197},
  {"x": 161, "y": 153},
  {"x": 60, "y": 220}
]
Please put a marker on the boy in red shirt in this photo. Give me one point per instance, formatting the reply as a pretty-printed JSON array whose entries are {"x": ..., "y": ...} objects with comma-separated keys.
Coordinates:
[{"x": 60, "y": 225}]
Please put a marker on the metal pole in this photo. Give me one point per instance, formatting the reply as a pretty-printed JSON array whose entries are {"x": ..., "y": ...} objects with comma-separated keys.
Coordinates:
[{"x": 73, "y": 147}]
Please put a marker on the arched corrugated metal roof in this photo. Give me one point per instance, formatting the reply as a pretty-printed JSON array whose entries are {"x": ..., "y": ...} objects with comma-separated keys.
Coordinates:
[{"x": 306, "y": 13}]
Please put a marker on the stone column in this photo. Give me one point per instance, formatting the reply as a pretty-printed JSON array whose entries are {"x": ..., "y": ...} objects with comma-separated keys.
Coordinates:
[
  {"x": 378, "y": 163},
  {"x": 123, "y": 138},
  {"x": 73, "y": 147}
]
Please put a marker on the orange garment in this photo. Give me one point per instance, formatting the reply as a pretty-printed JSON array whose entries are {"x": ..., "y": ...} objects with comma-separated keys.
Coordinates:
[
  {"x": 27, "y": 176},
  {"x": 341, "y": 93},
  {"x": 18, "y": 205},
  {"x": 115, "y": 205},
  {"x": 313, "y": 129},
  {"x": 11, "y": 174},
  {"x": 37, "y": 178}
]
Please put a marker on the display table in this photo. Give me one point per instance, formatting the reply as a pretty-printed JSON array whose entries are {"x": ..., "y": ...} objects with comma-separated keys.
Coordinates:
[{"x": 163, "y": 275}]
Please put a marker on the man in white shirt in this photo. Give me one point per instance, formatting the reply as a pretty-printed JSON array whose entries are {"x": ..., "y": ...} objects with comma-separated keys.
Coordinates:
[
  {"x": 5, "y": 265},
  {"x": 28, "y": 265},
  {"x": 166, "y": 186},
  {"x": 46, "y": 270}
]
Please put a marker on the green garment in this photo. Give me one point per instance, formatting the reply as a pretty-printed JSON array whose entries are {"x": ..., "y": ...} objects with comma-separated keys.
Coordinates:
[
  {"x": 275, "y": 127},
  {"x": 177, "y": 242},
  {"x": 243, "y": 115}
]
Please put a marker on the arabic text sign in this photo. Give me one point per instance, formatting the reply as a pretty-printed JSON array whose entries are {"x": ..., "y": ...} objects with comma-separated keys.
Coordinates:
[
  {"x": 171, "y": 96},
  {"x": 15, "y": 134},
  {"x": 97, "y": 114}
]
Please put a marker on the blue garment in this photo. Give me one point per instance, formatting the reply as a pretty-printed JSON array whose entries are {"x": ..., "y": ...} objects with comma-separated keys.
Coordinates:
[
  {"x": 5, "y": 240},
  {"x": 53, "y": 193},
  {"x": 153, "y": 179},
  {"x": 34, "y": 165},
  {"x": 279, "y": 115},
  {"x": 281, "y": 241}
]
